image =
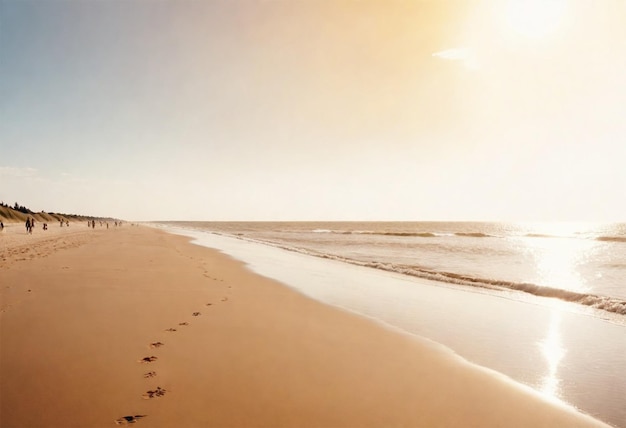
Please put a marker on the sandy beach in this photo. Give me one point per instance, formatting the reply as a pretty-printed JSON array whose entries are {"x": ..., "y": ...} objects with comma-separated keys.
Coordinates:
[{"x": 134, "y": 325}]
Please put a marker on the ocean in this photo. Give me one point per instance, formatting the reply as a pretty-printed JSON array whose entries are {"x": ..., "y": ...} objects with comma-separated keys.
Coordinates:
[
  {"x": 544, "y": 304},
  {"x": 577, "y": 262}
]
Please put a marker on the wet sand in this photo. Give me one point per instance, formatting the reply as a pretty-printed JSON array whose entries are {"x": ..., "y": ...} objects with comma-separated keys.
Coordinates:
[{"x": 133, "y": 325}]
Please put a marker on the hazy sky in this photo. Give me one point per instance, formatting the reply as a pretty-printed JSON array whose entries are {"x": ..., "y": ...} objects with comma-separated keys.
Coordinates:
[{"x": 315, "y": 109}]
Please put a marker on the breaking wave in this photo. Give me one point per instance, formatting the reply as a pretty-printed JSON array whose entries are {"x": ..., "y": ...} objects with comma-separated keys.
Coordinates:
[
  {"x": 502, "y": 233},
  {"x": 611, "y": 238},
  {"x": 390, "y": 233},
  {"x": 474, "y": 235},
  {"x": 605, "y": 303},
  {"x": 400, "y": 234},
  {"x": 417, "y": 234},
  {"x": 609, "y": 304}
]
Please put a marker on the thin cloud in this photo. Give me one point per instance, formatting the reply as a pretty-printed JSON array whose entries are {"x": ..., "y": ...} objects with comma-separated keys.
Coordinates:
[
  {"x": 466, "y": 56},
  {"x": 17, "y": 172}
]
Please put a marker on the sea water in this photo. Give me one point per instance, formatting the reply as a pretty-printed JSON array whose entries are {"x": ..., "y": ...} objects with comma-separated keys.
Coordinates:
[
  {"x": 478, "y": 288},
  {"x": 580, "y": 262}
]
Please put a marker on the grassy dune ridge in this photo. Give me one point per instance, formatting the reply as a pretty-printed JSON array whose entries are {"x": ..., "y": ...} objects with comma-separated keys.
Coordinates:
[{"x": 10, "y": 215}]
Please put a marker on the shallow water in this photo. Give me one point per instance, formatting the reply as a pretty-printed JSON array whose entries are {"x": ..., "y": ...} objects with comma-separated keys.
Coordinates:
[{"x": 550, "y": 345}]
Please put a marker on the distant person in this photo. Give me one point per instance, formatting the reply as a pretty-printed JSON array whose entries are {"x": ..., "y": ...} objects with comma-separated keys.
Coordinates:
[
  {"x": 28, "y": 226},
  {"x": 45, "y": 226},
  {"x": 1, "y": 226},
  {"x": 61, "y": 221}
]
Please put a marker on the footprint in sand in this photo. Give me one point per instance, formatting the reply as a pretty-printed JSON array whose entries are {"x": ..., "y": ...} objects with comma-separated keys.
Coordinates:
[
  {"x": 149, "y": 375},
  {"x": 224, "y": 299},
  {"x": 209, "y": 304},
  {"x": 148, "y": 359},
  {"x": 171, "y": 329},
  {"x": 158, "y": 392},
  {"x": 125, "y": 420},
  {"x": 183, "y": 323},
  {"x": 156, "y": 344},
  {"x": 195, "y": 314}
]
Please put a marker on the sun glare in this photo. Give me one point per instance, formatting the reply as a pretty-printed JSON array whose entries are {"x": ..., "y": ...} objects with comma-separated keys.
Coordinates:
[
  {"x": 553, "y": 351},
  {"x": 535, "y": 18}
]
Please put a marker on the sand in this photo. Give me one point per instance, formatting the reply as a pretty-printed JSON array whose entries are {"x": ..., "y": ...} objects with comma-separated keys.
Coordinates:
[{"x": 136, "y": 325}]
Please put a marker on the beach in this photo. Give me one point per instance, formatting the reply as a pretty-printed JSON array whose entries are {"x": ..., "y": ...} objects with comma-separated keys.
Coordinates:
[{"x": 135, "y": 325}]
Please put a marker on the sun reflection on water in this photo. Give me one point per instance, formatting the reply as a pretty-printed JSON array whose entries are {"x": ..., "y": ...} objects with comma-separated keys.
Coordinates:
[
  {"x": 558, "y": 255},
  {"x": 552, "y": 350},
  {"x": 558, "y": 261}
]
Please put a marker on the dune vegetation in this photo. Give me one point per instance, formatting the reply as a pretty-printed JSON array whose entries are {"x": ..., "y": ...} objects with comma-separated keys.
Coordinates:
[{"x": 18, "y": 213}]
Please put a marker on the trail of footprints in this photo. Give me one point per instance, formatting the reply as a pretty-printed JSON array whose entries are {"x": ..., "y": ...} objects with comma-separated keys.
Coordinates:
[{"x": 158, "y": 391}]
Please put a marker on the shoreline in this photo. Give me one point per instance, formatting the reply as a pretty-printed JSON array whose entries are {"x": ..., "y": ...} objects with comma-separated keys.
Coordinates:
[
  {"x": 79, "y": 318},
  {"x": 591, "y": 301},
  {"x": 552, "y": 347}
]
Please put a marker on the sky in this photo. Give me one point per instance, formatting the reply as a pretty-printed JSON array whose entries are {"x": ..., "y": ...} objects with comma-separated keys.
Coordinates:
[{"x": 511, "y": 110}]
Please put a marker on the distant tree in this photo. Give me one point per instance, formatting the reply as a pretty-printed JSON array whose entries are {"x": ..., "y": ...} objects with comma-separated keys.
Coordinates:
[{"x": 21, "y": 208}]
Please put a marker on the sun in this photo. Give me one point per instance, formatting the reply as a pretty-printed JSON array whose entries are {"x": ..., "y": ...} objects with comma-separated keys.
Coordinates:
[{"x": 535, "y": 18}]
